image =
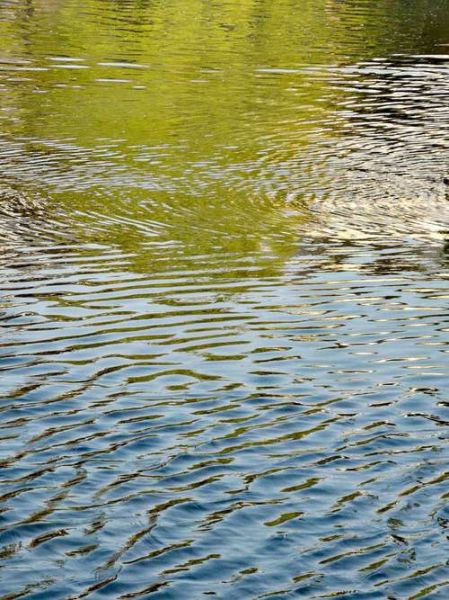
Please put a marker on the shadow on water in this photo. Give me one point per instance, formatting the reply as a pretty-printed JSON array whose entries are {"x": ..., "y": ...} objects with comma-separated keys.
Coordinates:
[{"x": 223, "y": 311}]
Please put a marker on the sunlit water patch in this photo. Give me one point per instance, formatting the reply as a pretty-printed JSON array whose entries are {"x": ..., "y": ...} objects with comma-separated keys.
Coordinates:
[{"x": 224, "y": 299}]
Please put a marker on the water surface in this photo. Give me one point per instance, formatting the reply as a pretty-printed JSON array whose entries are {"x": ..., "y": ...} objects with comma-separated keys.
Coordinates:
[{"x": 224, "y": 299}]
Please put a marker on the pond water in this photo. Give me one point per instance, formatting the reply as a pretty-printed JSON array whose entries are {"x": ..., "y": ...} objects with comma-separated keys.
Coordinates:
[{"x": 224, "y": 299}]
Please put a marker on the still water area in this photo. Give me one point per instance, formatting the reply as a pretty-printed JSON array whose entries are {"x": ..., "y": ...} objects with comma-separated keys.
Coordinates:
[{"x": 224, "y": 299}]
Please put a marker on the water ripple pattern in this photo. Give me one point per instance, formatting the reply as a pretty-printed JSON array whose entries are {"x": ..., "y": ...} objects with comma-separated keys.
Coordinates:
[{"x": 224, "y": 325}]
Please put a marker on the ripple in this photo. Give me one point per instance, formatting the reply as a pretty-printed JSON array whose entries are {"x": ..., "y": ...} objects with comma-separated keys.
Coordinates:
[{"x": 224, "y": 326}]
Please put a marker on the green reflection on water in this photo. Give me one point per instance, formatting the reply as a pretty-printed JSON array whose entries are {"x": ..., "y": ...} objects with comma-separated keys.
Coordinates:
[{"x": 190, "y": 122}]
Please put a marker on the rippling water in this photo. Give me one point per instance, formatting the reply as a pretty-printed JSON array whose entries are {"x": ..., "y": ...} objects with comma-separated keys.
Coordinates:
[{"x": 224, "y": 267}]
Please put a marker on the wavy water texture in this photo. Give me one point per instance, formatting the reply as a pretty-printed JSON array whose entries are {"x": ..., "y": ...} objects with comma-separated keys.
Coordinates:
[{"x": 224, "y": 234}]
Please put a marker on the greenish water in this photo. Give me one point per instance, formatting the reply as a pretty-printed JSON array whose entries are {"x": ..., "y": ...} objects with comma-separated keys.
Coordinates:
[{"x": 224, "y": 299}]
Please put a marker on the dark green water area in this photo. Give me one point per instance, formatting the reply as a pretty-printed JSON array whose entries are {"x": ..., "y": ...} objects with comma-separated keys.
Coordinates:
[{"x": 224, "y": 299}]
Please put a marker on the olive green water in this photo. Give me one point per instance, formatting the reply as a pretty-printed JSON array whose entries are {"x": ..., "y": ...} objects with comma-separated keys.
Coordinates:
[{"x": 224, "y": 299}]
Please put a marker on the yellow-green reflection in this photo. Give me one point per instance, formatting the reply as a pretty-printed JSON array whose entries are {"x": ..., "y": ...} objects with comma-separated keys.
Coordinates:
[{"x": 189, "y": 123}]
